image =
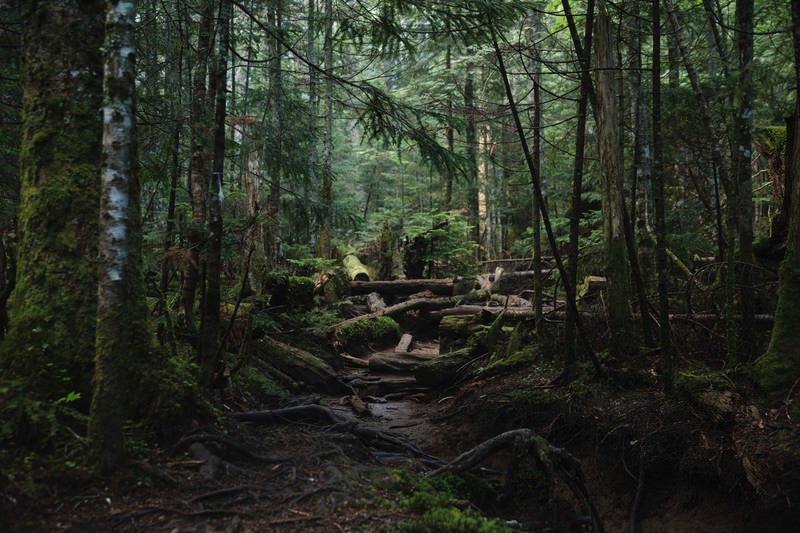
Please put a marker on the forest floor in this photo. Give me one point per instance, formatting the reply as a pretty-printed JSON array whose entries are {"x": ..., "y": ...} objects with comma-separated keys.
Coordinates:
[{"x": 362, "y": 463}]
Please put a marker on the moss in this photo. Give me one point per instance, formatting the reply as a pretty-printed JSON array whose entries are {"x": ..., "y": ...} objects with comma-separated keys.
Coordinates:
[
  {"x": 699, "y": 377},
  {"x": 524, "y": 357},
  {"x": 379, "y": 330},
  {"x": 779, "y": 367},
  {"x": 50, "y": 342}
]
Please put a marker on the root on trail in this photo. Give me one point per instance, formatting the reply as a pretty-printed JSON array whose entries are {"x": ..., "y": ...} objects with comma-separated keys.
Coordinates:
[{"x": 370, "y": 436}]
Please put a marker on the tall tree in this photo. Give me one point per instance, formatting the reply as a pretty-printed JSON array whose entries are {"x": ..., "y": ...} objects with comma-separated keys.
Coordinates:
[
  {"x": 326, "y": 179},
  {"x": 275, "y": 135},
  {"x": 121, "y": 311},
  {"x": 622, "y": 339},
  {"x": 52, "y": 312},
  {"x": 210, "y": 327},
  {"x": 741, "y": 153},
  {"x": 659, "y": 201}
]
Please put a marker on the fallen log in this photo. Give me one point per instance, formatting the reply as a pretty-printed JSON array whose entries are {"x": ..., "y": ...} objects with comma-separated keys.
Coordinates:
[
  {"x": 427, "y": 304},
  {"x": 304, "y": 369},
  {"x": 355, "y": 268},
  {"x": 406, "y": 287}
]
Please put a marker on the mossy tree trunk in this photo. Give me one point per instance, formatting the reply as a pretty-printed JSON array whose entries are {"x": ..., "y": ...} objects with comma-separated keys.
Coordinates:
[
  {"x": 779, "y": 368},
  {"x": 121, "y": 340},
  {"x": 52, "y": 311}
]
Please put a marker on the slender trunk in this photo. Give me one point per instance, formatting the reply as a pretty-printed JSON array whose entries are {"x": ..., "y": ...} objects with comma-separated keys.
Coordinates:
[
  {"x": 199, "y": 166},
  {"x": 121, "y": 311},
  {"x": 642, "y": 254},
  {"x": 471, "y": 140},
  {"x": 211, "y": 366},
  {"x": 273, "y": 244},
  {"x": 587, "y": 96},
  {"x": 534, "y": 91},
  {"x": 451, "y": 142},
  {"x": 659, "y": 205},
  {"x": 743, "y": 176},
  {"x": 310, "y": 184},
  {"x": 326, "y": 192},
  {"x": 568, "y": 289}
]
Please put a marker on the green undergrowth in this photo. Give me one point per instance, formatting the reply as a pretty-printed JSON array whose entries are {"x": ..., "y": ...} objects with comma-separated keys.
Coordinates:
[{"x": 449, "y": 503}]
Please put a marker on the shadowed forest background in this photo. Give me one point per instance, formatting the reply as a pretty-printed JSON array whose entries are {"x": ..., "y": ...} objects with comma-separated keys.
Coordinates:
[{"x": 579, "y": 217}]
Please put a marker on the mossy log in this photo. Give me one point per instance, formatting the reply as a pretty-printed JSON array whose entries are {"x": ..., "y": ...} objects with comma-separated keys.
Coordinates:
[
  {"x": 355, "y": 268},
  {"x": 405, "y": 287},
  {"x": 444, "y": 369},
  {"x": 305, "y": 370}
]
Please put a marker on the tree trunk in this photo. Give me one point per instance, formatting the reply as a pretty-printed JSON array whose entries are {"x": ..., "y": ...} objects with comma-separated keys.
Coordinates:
[
  {"x": 52, "y": 312},
  {"x": 275, "y": 165},
  {"x": 743, "y": 176},
  {"x": 665, "y": 333},
  {"x": 623, "y": 337},
  {"x": 778, "y": 369},
  {"x": 325, "y": 194},
  {"x": 200, "y": 167},
  {"x": 210, "y": 330},
  {"x": 121, "y": 311},
  {"x": 586, "y": 96},
  {"x": 471, "y": 140}
]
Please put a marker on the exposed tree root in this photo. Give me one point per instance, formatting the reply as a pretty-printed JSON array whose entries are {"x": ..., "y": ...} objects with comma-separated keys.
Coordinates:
[
  {"x": 555, "y": 461},
  {"x": 370, "y": 436},
  {"x": 228, "y": 442}
]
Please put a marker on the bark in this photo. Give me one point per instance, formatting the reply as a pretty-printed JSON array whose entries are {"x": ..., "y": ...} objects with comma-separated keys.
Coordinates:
[
  {"x": 275, "y": 163},
  {"x": 586, "y": 96},
  {"x": 210, "y": 352},
  {"x": 741, "y": 152},
  {"x": 52, "y": 312},
  {"x": 200, "y": 166},
  {"x": 777, "y": 369},
  {"x": 623, "y": 336},
  {"x": 665, "y": 334},
  {"x": 442, "y": 287},
  {"x": 121, "y": 311},
  {"x": 325, "y": 193}
]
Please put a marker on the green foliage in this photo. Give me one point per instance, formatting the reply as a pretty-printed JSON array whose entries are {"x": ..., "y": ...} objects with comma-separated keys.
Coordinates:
[{"x": 442, "y": 504}]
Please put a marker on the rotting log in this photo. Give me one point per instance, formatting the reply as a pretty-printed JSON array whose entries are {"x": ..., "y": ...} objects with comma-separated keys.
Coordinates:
[
  {"x": 306, "y": 370},
  {"x": 445, "y": 369},
  {"x": 355, "y": 268}
]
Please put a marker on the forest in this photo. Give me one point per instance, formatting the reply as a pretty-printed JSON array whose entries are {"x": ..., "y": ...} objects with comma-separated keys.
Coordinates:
[{"x": 399, "y": 265}]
